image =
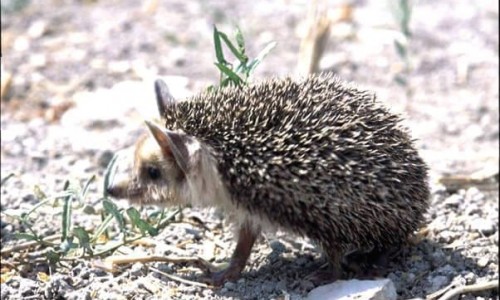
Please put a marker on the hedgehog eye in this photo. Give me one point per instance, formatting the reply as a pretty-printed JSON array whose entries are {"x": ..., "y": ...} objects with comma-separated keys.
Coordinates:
[{"x": 153, "y": 173}]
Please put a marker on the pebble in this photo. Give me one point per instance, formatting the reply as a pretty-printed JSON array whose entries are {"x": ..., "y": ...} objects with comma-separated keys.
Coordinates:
[
  {"x": 438, "y": 282},
  {"x": 277, "y": 246},
  {"x": 454, "y": 200},
  {"x": 483, "y": 262},
  {"x": 470, "y": 277},
  {"x": 484, "y": 226},
  {"x": 21, "y": 44},
  {"x": 474, "y": 194},
  {"x": 438, "y": 256},
  {"x": 37, "y": 29},
  {"x": 137, "y": 269},
  {"x": 355, "y": 289}
]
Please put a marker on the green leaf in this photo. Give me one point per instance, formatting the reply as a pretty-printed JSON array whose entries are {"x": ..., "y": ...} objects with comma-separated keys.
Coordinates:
[
  {"x": 168, "y": 219},
  {"x": 240, "y": 40},
  {"x": 406, "y": 11},
  {"x": 112, "y": 209},
  {"x": 26, "y": 236},
  {"x": 66, "y": 216},
  {"x": 229, "y": 73},
  {"x": 140, "y": 223},
  {"x": 34, "y": 208},
  {"x": 101, "y": 228},
  {"x": 218, "y": 47},
  {"x": 86, "y": 187},
  {"x": 240, "y": 56},
  {"x": 83, "y": 238}
]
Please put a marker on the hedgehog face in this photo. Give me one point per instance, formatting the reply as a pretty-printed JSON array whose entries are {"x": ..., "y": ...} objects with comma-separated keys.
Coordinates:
[
  {"x": 167, "y": 167},
  {"x": 157, "y": 170}
]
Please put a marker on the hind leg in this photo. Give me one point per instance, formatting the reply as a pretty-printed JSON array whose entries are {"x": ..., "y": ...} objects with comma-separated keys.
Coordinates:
[{"x": 333, "y": 270}]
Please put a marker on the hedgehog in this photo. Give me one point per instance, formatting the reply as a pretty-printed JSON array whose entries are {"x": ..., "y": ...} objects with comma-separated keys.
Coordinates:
[{"x": 314, "y": 156}]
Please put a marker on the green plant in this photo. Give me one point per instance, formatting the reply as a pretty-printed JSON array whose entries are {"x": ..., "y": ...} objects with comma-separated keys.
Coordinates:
[
  {"x": 239, "y": 74},
  {"x": 75, "y": 241},
  {"x": 402, "y": 12}
]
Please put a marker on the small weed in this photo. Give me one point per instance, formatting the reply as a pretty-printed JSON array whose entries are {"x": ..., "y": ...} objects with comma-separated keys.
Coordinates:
[
  {"x": 236, "y": 75},
  {"x": 75, "y": 241},
  {"x": 402, "y": 11}
]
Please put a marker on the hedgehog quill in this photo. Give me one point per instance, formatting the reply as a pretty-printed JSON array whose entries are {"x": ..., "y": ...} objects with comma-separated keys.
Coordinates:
[{"x": 317, "y": 157}]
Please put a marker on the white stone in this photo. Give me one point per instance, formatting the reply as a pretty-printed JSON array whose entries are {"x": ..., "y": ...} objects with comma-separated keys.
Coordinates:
[{"x": 382, "y": 289}]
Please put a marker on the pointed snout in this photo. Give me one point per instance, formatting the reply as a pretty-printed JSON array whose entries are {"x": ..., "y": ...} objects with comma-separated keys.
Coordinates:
[{"x": 120, "y": 174}]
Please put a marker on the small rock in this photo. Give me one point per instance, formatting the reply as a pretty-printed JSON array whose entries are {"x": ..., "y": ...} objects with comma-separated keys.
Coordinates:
[
  {"x": 438, "y": 256},
  {"x": 4, "y": 293},
  {"x": 470, "y": 278},
  {"x": 207, "y": 293},
  {"x": 483, "y": 262},
  {"x": 382, "y": 289},
  {"x": 21, "y": 44},
  {"x": 453, "y": 201},
  {"x": 475, "y": 194},
  {"x": 438, "y": 282},
  {"x": 277, "y": 246},
  {"x": 27, "y": 287},
  {"x": 37, "y": 29},
  {"x": 38, "y": 60},
  {"x": 472, "y": 209},
  {"x": 483, "y": 226},
  {"x": 137, "y": 269}
]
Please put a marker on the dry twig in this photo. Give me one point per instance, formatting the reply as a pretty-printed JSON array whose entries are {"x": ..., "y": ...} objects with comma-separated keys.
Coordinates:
[{"x": 452, "y": 290}]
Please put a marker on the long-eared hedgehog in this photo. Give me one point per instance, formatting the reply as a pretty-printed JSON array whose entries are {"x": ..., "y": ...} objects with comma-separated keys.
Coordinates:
[{"x": 317, "y": 157}]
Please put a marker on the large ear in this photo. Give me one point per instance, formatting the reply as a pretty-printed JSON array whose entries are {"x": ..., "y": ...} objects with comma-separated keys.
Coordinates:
[
  {"x": 163, "y": 96},
  {"x": 172, "y": 144}
]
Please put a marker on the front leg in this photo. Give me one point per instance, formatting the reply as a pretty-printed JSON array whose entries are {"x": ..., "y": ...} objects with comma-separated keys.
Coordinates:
[{"x": 247, "y": 235}]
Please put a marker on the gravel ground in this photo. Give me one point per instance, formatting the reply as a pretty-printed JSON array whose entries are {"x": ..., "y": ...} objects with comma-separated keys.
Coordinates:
[{"x": 66, "y": 63}]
